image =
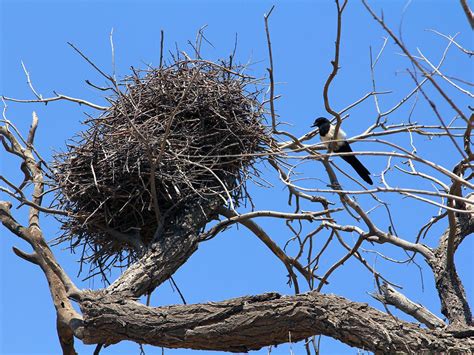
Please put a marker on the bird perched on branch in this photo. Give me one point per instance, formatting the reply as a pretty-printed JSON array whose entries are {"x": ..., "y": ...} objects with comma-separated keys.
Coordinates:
[{"x": 326, "y": 131}]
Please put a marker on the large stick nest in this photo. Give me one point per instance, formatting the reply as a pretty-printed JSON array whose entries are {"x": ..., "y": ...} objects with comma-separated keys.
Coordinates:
[{"x": 189, "y": 130}]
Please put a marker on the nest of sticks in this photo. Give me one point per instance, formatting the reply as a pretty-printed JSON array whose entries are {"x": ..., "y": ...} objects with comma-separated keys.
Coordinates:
[{"x": 185, "y": 131}]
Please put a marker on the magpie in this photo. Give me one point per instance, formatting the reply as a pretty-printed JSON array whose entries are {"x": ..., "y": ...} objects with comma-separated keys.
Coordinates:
[{"x": 326, "y": 131}]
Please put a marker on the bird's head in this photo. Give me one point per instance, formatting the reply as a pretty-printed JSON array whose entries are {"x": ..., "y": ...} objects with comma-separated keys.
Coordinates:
[{"x": 318, "y": 122}]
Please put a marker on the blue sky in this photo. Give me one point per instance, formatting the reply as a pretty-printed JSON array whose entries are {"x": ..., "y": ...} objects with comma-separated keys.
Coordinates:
[{"x": 235, "y": 263}]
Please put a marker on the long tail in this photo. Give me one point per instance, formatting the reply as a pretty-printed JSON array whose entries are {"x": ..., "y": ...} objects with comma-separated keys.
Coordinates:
[{"x": 355, "y": 163}]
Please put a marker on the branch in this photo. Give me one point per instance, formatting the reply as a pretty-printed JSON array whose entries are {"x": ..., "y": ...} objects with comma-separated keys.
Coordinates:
[
  {"x": 454, "y": 303},
  {"x": 468, "y": 12},
  {"x": 270, "y": 73},
  {"x": 168, "y": 253},
  {"x": 335, "y": 68},
  {"x": 414, "y": 61},
  {"x": 263, "y": 236},
  {"x": 250, "y": 323},
  {"x": 238, "y": 218},
  {"x": 60, "y": 285},
  {"x": 392, "y": 297},
  {"x": 58, "y": 97}
]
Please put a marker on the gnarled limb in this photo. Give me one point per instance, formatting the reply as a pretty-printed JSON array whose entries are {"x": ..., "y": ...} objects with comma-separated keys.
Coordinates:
[
  {"x": 454, "y": 303},
  {"x": 252, "y": 322}
]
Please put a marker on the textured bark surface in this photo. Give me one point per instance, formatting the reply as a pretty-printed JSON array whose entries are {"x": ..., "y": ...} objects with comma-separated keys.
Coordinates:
[
  {"x": 250, "y": 323},
  {"x": 454, "y": 304},
  {"x": 178, "y": 242}
]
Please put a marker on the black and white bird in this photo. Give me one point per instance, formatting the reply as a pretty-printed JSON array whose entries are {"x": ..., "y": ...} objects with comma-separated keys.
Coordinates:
[{"x": 326, "y": 131}]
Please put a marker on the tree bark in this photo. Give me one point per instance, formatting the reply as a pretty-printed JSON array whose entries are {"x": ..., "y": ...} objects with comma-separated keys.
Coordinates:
[
  {"x": 172, "y": 249},
  {"x": 454, "y": 304},
  {"x": 253, "y": 322}
]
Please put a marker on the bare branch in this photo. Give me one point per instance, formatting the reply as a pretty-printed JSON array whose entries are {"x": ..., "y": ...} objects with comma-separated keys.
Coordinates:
[
  {"x": 260, "y": 233},
  {"x": 392, "y": 297},
  {"x": 468, "y": 12},
  {"x": 270, "y": 72},
  {"x": 335, "y": 69},
  {"x": 58, "y": 97},
  {"x": 413, "y": 60},
  {"x": 238, "y": 218}
]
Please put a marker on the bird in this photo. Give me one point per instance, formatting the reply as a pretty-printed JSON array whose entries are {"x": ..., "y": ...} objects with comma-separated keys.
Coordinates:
[{"x": 326, "y": 131}]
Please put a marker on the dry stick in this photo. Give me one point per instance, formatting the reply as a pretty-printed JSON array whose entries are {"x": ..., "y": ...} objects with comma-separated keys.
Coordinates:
[
  {"x": 270, "y": 72},
  {"x": 260, "y": 233},
  {"x": 362, "y": 99},
  {"x": 362, "y": 260},
  {"x": 33, "y": 127},
  {"x": 414, "y": 61},
  {"x": 454, "y": 190},
  {"x": 451, "y": 39},
  {"x": 162, "y": 40},
  {"x": 414, "y": 172},
  {"x": 437, "y": 71},
  {"x": 154, "y": 163},
  {"x": 374, "y": 233},
  {"x": 60, "y": 284},
  {"x": 335, "y": 69},
  {"x": 407, "y": 192},
  {"x": 112, "y": 50},
  {"x": 173, "y": 114},
  {"x": 57, "y": 98},
  {"x": 415, "y": 90},
  {"x": 293, "y": 191},
  {"x": 468, "y": 12},
  {"x": 272, "y": 82},
  {"x": 344, "y": 258},
  {"x": 310, "y": 216},
  {"x": 108, "y": 77},
  {"x": 24, "y": 201},
  {"x": 9, "y": 124},
  {"x": 149, "y": 153},
  {"x": 372, "y": 74},
  {"x": 392, "y": 129},
  {"x": 388, "y": 295},
  {"x": 407, "y": 154},
  {"x": 177, "y": 289},
  {"x": 30, "y": 84},
  {"x": 467, "y": 138}
]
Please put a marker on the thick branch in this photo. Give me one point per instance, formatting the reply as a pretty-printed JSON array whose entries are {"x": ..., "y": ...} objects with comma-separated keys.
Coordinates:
[
  {"x": 178, "y": 242},
  {"x": 250, "y": 323},
  {"x": 454, "y": 304}
]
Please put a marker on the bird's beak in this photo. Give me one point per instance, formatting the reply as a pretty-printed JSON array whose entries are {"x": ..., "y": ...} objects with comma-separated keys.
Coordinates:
[{"x": 314, "y": 125}]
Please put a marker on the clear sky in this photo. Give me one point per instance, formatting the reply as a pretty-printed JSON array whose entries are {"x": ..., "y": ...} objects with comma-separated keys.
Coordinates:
[{"x": 235, "y": 263}]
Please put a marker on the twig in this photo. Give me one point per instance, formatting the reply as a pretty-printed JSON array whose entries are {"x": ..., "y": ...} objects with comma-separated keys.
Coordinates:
[
  {"x": 414, "y": 61},
  {"x": 57, "y": 98},
  {"x": 271, "y": 72}
]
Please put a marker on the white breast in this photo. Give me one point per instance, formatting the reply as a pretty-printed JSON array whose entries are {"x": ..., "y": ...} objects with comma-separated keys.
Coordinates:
[{"x": 341, "y": 135}]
